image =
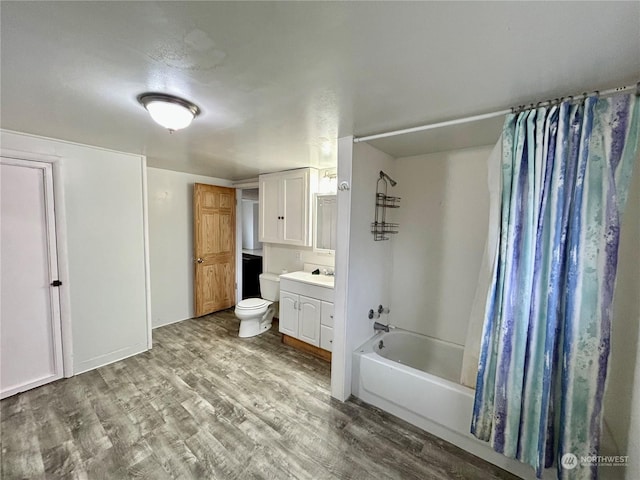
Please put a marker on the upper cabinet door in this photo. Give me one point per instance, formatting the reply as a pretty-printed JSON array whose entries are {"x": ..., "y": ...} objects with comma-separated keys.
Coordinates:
[
  {"x": 285, "y": 206},
  {"x": 295, "y": 196},
  {"x": 270, "y": 222}
]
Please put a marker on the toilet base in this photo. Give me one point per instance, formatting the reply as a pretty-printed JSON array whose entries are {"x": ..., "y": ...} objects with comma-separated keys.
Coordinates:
[{"x": 255, "y": 326}]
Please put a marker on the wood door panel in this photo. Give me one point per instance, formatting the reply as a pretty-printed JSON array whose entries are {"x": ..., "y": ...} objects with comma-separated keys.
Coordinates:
[
  {"x": 212, "y": 281},
  {"x": 214, "y": 248},
  {"x": 215, "y": 234}
]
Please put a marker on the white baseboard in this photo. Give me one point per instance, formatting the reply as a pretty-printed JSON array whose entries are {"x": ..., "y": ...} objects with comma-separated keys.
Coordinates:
[
  {"x": 170, "y": 322},
  {"x": 107, "y": 358}
]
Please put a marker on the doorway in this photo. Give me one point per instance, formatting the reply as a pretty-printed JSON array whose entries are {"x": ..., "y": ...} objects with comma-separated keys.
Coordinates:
[
  {"x": 251, "y": 246},
  {"x": 214, "y": 222}
]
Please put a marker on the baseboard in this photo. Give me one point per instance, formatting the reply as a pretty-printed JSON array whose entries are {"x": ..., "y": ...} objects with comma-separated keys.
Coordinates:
[
  {"x": 170, "y": 322},
  {"x": 107, "y": 358},
  {"x": 306, "y": 347}
]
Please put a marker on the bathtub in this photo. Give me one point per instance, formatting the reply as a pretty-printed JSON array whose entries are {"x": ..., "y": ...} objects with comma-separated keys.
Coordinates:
[{"x": 417, "y": 379}]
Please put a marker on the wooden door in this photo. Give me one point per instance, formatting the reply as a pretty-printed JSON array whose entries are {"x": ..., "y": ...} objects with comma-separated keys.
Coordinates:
[
  {"x": 288, "y": 321},
  {"x": 270, "y": 214},
  {"x": 309, "y": 320},
  {"x": 214, "y": 221},
  {"x": 31, "y": 340},
  {"x": 295, "y": 208}
]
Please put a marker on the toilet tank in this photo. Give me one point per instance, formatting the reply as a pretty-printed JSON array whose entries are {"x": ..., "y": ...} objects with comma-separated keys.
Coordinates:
[{"x": 270, "y": 286}]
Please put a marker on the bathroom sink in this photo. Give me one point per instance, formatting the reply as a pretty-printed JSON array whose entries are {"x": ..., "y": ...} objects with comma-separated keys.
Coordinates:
[{"x": 327, "y": 281}]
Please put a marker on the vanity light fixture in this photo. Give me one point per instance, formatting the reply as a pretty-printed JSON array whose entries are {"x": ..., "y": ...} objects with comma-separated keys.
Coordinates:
[{"x": 173, "y": 113}]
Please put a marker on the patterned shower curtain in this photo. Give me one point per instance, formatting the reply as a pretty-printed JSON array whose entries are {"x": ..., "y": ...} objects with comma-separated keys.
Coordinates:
[{"x": 545, "y": 341}]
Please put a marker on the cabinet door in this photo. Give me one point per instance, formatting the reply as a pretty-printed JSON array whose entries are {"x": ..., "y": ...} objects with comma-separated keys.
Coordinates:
[
  {"x": 326, "y": 318},
  {"x": 289, "y": 314},
  {"x": 270, "y": 222},
  {"x": 309, "y": 320},
  {"x": 326, "y": 338},
  {"x": 295, "y": 210}
]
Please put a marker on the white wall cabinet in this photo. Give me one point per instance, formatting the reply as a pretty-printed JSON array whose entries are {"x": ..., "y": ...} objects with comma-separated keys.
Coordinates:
[
  {"x": 286, "y": 206},
  {"x": 306, "y": 312}
]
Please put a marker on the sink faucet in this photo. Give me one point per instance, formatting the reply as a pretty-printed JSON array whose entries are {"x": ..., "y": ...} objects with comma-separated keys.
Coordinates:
[{"x": 379, "y": 327}]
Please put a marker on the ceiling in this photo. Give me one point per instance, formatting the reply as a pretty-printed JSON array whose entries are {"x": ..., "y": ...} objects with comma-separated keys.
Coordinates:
[{"x": 275, "y": 80}]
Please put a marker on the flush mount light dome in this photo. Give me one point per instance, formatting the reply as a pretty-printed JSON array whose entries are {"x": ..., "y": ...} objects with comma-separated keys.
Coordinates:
[{"x": 173, "y": 113}]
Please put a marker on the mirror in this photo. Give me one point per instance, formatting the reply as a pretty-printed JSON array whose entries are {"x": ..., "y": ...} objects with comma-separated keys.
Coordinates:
[{"x": 324, "y": 239}]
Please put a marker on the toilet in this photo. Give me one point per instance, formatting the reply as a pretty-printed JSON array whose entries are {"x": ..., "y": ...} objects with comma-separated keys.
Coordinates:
[{"x": 255, "y": 314}]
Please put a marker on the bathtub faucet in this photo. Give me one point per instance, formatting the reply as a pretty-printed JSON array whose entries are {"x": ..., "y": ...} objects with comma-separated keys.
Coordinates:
[{"x": 379, "y": 327}]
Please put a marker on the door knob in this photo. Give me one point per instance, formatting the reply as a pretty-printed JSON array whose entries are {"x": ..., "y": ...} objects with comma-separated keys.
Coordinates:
[{"x": 199, "y": 260}]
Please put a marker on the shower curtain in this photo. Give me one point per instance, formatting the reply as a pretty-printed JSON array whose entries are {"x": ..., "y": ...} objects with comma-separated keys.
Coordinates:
[{"x": 545, "y": 339}]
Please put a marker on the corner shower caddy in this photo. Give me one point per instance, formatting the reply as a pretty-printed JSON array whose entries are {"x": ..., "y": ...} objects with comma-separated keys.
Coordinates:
[{"x": 380, "y": 228}]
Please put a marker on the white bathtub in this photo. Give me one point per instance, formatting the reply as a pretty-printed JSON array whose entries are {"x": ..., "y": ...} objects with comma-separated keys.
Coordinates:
[{"x": 416, "y": 378}]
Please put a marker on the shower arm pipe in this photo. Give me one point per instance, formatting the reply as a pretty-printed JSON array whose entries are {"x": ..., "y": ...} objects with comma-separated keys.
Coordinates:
[{"x": 499, "y": 113}]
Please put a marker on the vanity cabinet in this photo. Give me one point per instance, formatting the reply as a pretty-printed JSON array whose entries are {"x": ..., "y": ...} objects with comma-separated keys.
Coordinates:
[
  {"x": 326, "y": 326},
  {"x": 286, "y": 206},
  {"x": 306, "y": 312},
  {"x": 300, "y": 317}
]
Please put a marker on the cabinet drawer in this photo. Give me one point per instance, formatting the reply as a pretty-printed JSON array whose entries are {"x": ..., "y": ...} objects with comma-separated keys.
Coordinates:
[
  {"x": 326, "y": 338},
  {"x": 326, "y": 316}
]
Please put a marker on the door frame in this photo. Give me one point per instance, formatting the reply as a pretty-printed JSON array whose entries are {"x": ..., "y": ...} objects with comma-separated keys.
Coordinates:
[
  {"x": 56, "y": 229},
  {"x": 240, "y": 186},
  {"x": 197, "y": 223}
]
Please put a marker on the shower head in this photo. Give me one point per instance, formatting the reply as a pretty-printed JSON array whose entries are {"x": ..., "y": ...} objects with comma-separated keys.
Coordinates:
[{"x": 391, "y": 180}]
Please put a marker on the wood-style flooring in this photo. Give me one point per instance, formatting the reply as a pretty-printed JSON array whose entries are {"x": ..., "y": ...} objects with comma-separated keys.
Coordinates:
[{"x": 204, "y": 403}]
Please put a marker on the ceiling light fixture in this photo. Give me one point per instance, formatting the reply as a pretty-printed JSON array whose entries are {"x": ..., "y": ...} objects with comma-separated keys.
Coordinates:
[{"x": 173, "y": 113}]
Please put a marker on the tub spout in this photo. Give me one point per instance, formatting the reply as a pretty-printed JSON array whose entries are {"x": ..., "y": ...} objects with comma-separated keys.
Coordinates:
[{"x": 379, "y": 327}]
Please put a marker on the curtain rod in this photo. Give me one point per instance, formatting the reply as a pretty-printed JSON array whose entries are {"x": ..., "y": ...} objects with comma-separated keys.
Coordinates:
[{"x": 498, "y": 113}]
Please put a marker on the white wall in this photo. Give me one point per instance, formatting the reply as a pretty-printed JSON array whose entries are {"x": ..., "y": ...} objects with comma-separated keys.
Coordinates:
[
  {"x": 105, "y": 242},
  {"x": 171, "y": 242},
  {"x": 370, "y": 262},
  {"x": 443, "y": 219},
  {"x": 341, "y": 358},
  {"x": 278, "y": 258}
]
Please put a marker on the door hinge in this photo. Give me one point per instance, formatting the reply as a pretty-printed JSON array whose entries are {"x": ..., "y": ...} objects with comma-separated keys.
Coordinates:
[{"x": 56, "y": 283}]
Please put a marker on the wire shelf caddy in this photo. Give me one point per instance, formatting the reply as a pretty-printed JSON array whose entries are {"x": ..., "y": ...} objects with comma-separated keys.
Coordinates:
[{"x": 380, "y": 228}]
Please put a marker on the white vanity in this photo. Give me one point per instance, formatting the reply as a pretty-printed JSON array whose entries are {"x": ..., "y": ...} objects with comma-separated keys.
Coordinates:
[{"x": 306, "y": 311}]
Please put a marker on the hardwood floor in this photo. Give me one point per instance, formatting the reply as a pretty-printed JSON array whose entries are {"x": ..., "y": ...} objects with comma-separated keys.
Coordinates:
[{"x": 204, "y": 403}]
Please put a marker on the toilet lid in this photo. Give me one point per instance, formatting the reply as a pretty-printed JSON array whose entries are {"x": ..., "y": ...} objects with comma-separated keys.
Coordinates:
[{"x": 252, "y": 303}]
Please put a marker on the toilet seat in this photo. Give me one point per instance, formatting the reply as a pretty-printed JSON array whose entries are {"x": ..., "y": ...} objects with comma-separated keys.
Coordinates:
[{"x": 249, "y": 304}]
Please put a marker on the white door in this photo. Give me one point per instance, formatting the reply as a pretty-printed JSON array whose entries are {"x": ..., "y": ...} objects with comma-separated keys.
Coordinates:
[
  {"x": 309, "y": 320},
  {"x": 295, "y": 208},
  {"x": 270, "y": 215},
  {"x": 30, "y": 332},
  {"x": 288, "y": 314}
]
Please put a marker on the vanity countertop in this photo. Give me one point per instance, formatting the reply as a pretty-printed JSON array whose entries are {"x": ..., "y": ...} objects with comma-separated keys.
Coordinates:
[{"x": 325, "y": 281}]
